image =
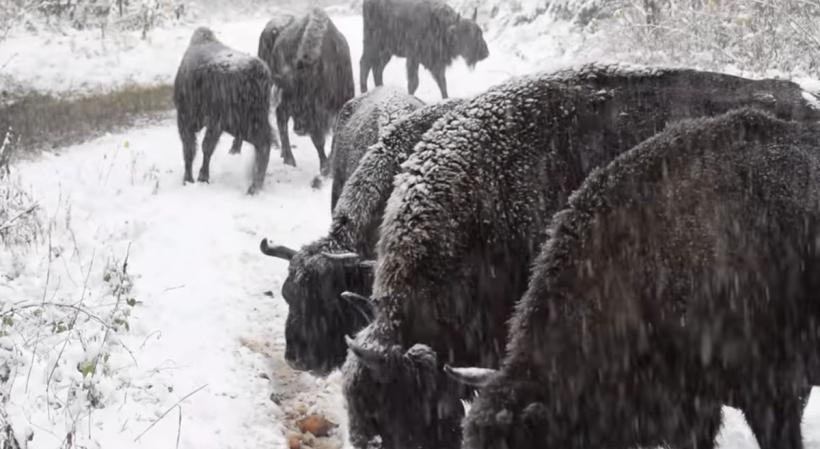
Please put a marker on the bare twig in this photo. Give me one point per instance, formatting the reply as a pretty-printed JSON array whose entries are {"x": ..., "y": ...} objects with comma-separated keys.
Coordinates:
[
  {"x": 116, "y": 307},
  {"x": 71, "y": 326},
  {"x": 39, "y": 328},
  {"x": 11, "y": 220},
  {"x": 176, "y": 404},
  {"x": 179, "y": 425}
]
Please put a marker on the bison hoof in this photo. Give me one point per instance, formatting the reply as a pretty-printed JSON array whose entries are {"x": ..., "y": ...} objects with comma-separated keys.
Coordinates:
[
  {"x": 290, "y": 161},
  {"x": 325, "y": 170},
  {"x": 235, "y": 150},
  {"x": 254, "y": 189},
  {"x": 203, "y": 178},
  {"x": 187, "y": 179}
]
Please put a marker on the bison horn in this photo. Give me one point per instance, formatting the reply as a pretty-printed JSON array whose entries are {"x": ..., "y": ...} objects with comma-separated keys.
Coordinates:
[
  {"x": 349, "y": 256},
  {"x": 474, "y": 377},
  {"x": 369, "y": 357},
  {"x": 475, "y": 14},
  {"x": 282, "y": 252},
  {"x": 359, "y": 302}
]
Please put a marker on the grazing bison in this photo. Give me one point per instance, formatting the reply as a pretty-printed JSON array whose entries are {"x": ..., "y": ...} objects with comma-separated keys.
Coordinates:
[
  {"x": 468, "y": 215},
  {"x": 426, "y": 32},
  {"x": 222, "y": 89},
  {"x": 358, "y": 126},
  {"x": 310, "y": 63},
  {"x": 684, "y": 274},
  {"x": 318, "y": 317}
]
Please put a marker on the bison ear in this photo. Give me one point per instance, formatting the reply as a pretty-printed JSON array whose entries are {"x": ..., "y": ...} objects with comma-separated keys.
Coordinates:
[
  {"x": 282, "y": 252},
  {"x": 373, "y": 359},
  {"x": 475, "y": 14},
  {"x": 473, "y": 377}
]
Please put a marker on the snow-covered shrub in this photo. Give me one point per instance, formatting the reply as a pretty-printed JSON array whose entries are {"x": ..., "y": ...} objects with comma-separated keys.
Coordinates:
[
  {"x": 750, "y": 35},
  {"x": 20, "y": 225}
]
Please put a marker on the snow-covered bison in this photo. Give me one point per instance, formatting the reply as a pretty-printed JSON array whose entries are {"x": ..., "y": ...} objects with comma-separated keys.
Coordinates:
[
  {"x": 329, "y": 280},
  {"x": 426, "y": 32},
  {"x": 469, "y": 212},
  {"x": 310, "y": 63},
  {"x": 222, "y": 90},
  {"x": 683, "y": 275},
  {"x": 359, "y": 125}
]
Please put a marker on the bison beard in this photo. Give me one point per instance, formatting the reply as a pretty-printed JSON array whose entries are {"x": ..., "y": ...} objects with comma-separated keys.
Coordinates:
[
  {"x": 320, "y": 273},
  {"x": 426, "y": 32},
  {"x": 310, "y": 64},
  {"x": 222, "y": 89},
  {"x": 470, "y": 211},
  {"x": 683, "y": 275}
]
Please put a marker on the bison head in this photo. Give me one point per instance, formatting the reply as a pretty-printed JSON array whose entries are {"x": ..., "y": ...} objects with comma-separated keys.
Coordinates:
[
  {"x": 506, "y": 414},
  {"x": 401, "y": 397},
  {"x": 320, "y": 311},
  {"x": 202, "y": 35},
  {"x": 469, "y": 41}
]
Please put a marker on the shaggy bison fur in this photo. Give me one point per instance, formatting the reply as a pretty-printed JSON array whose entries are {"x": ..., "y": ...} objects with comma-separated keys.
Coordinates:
[
  {"x": 310, "y": 64},
  {"x": 683, "y": 275},
  {"x": 469, "y": 213},
  {"x": 319, "y": 316},
  {"x": 359, "y": 125},
  {"x": 221, "y": 89}
]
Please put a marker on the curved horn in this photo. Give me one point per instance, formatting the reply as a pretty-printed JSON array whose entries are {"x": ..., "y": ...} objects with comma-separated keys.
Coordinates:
[
  {"x": 474, "y": 377},
  {"x": 361, "y": 303},
  {"x": 282, "y": 252},
  {"x": 349, "y": 256},
  {"x": 475, "y": 14},
  {"x": 369, "y": 357}
]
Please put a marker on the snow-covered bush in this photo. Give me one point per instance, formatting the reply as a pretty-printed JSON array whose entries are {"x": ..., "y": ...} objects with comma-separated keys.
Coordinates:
[
  {"x": 750, "y": 35},
  {"x": 20, "y": 224},
  {"x": 141, "y": 15}
]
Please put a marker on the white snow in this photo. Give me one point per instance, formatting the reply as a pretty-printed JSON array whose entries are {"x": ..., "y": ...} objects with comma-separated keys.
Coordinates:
[{"x": 201, "y": 323}]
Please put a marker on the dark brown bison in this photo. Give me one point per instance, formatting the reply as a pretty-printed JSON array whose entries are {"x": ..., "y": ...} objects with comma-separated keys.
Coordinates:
[
  {"x": 683, "y": 275},
  {"x": 320, "y": 313},
  {"x": 468, "y": 215},
  {"x": 359, "y": 125},
  {"x": 426, "y": 32},
  {"x": 221, "y": 89},
  {"x": 310, "y": 64}
]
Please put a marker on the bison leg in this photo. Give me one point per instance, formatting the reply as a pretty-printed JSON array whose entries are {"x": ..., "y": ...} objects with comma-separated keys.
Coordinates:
[
  {"x": 282, "y": 123},
  {"x": 188, "y": 137},
  {"x": 775, "y": 422},
  {"x": 412, "y": 75},
  {"x": 236, "y": 148},
  {"x": 378, "y": 68},
  {"x": 209, "y": 143},
  {"x": 318, "y": 139},
  {"x": 260, "y": 164},
  {"x": 438, "y": 75},
  {"x": 365, "y": 64},
  {"x": 699, "y": 429}
]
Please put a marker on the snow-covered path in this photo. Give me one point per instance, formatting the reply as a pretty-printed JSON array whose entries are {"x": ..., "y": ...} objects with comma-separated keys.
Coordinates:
[{"x": 203, "y": 319}]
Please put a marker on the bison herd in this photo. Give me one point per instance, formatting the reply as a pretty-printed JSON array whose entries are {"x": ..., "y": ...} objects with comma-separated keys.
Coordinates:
[{"x": 600, "y": 256}]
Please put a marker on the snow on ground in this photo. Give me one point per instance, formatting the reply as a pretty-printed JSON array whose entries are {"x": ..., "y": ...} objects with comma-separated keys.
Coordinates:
[{"x": 198, "y": 319}]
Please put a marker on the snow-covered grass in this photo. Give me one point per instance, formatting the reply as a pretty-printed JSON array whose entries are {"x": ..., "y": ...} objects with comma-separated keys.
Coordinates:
[{"x": 141, "y": 314}]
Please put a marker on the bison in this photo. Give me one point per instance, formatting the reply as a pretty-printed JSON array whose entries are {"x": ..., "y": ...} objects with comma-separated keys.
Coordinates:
[
  {"x": 426, "y": 32},
  {"x": 310, "y": 64},
  {"x": 358, "y": 126},
  {"x": 684, "y": 274},
  {"x": 469, "y": 212},
  {"x": 222, "y": 89},
  {"x": 320, "y": 315}
]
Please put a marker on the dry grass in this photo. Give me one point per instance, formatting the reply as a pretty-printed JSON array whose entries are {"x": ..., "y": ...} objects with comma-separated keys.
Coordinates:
[{"x": 45, "y": 122}]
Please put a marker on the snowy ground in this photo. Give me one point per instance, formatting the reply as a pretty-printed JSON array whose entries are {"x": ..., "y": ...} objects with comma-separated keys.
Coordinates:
[{"x": 198, "y": 319}]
